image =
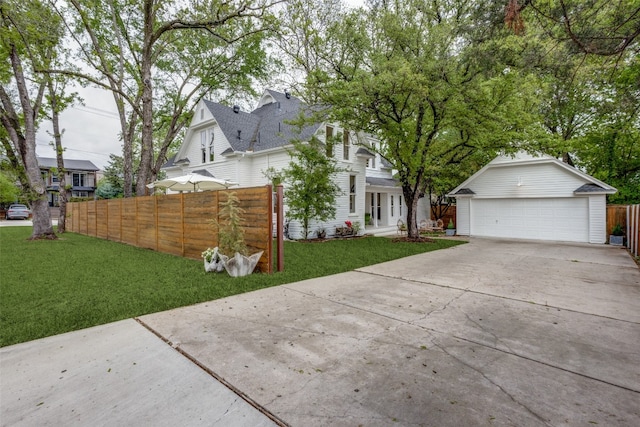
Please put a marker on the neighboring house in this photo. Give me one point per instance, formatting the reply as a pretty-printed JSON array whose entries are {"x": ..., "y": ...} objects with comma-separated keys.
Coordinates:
[
  {"x": 240, "y": 146},
  {"x": 81, "y": 178},
  {"x": 531, "y": 197}
]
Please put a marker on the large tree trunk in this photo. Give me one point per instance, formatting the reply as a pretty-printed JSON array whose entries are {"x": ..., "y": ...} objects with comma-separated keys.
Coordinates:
[
  {"x": 146, "y": 151},
  {"x": 26, "y": 145},
  {"x": 411, "y": 197}
]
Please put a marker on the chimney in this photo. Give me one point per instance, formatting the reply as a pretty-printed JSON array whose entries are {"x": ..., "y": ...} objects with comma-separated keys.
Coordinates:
[{"x": 236, "y": 109}]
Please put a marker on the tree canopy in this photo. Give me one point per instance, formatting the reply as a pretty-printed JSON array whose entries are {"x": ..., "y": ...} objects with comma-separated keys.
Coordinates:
[
  {"x": 158, "y": 58},
  {"x": 420, "y": 76}
]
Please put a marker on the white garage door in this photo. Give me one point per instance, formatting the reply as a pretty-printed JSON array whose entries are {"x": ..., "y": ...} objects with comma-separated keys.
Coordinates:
[{"x": 563, "y": 219}]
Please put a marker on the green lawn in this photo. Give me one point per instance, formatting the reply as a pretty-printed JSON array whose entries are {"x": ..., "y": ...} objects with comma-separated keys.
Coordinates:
[{"x": 51, "y": 287}]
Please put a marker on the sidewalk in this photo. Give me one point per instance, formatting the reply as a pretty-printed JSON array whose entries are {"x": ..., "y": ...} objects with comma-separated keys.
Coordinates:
[{"x": 119, "y": 374}]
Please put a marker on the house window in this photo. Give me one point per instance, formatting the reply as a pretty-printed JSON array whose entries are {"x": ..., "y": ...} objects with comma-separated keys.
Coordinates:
[
  {"x": 345, "y": 145},
  {"x": 201, "y": 113},
  {"x": 392, "y": 214},
  {"x": 211, "y": 152},
  {"x": 352, "y": 193},
  {"x": 79, "y": 194},
  {"x": 203, "y": 145},
  {"x": 54, "y": 178},
  {"x": 400, "y": 204},
  {"x": 329, "y": 141},
  {"x": 372, "y": 161},
  {"x": 79, "y": 180}
]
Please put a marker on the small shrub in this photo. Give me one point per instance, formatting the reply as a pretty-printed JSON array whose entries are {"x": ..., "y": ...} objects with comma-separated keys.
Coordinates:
[{"x": 617, "y": 230}]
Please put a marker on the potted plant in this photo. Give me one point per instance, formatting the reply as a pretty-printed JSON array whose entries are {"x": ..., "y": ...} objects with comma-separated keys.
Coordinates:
[
  {"x": 355, "y": 228},
  {"x": 367, "y": 219},
  {"x": 321, "y": 233},
  {"x": 617, "y": 236},
  {"x": 212, "y": 260},
  {"x": 231, "y": 239},
  {"x": 451, "y": 229}
]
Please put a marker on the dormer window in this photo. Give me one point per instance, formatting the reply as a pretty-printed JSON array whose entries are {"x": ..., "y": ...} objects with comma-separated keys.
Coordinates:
[
  {"x": 211, "y": 152},
  {"x": 345, "y": 145},
  {"x": 203, "y": 145},
  {"x": 372, "y": 161}
]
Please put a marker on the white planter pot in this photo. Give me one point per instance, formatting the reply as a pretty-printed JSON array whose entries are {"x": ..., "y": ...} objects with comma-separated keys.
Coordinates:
[
  {"x": 240, "y": 265},
  {"x": 450, "y": 231},
  {"x": 216, "y": 265}
]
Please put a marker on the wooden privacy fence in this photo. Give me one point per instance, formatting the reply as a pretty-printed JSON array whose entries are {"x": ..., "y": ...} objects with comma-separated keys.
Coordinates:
[
  {"x": 177, "y": 224},
  {"x": 629, "y": 219}
]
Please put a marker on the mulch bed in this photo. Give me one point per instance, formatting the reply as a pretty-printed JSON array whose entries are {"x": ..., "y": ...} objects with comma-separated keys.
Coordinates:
[{"x": 420, "y": 239}]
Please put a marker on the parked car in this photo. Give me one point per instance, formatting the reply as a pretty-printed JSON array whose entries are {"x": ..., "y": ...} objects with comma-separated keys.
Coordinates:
[{"x": 18, "y": 212}]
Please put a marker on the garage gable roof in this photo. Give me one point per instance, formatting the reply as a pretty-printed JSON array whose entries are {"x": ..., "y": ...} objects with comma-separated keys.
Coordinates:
[{"x": 590, "y": 184}]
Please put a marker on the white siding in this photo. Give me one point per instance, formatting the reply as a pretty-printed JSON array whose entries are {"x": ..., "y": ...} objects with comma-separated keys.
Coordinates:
[
  {"x": 277, "y": 160},
  {"x": 463, "y": 216},
  {"x": 597, "y": 219},
  {"x": 542, "y": 180}
]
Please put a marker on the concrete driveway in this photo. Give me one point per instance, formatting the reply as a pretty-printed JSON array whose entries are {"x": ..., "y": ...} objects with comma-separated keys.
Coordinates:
[
  {"x": 489, "y": 333},
  {"x": 513, "y": 333}
]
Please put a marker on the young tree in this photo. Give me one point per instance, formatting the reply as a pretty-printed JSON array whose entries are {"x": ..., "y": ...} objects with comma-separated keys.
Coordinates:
[
  {"x": 57, "y": 102},
  {"x": 311, "y": 190}
]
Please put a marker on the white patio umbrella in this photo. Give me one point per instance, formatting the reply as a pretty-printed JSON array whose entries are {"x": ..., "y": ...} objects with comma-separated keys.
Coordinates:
[{"x": 192, "y": 182}]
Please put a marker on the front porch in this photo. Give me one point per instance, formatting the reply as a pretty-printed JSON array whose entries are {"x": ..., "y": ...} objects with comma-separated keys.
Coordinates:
[{"x": 387, "y": 230}]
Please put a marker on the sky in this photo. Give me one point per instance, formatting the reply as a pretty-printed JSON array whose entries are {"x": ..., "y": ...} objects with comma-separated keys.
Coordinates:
[{"x": 91, "y": 130}]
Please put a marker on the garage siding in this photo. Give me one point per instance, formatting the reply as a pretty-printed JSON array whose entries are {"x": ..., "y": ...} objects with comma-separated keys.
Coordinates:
[
  {"x": 536, "y": 181},
  {"x": 463, "y": 225},
  {"x": 597, "y": 219}
]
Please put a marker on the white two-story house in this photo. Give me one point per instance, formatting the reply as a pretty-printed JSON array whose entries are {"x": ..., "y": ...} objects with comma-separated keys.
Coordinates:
[{"x": 228, "y": 143}]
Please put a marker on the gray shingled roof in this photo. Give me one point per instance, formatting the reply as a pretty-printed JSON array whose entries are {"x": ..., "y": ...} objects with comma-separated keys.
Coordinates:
[
  {"x": 172, "y": 161},
  {"x": 265, "y": 127},
  {"x": 465, "y": 191},
  {"x": 69, "y": 164},
  {"x": 203, "y": 172},
  {"x": 364, "y": 152},
  {"x": 382, "y": 182},
  {"x": 589, "y": 188}
]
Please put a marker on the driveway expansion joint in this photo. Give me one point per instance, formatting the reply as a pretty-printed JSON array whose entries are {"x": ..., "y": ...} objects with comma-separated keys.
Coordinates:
[
  {"x": 215, "y": 376},
  {"x": 467, "y": 290}
]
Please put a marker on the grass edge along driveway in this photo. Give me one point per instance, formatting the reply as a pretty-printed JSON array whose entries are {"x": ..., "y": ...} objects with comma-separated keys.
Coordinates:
[{"x": 75, "y": 282}]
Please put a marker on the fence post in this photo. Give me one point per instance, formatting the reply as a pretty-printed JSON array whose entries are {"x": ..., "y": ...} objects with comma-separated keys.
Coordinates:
[
  {"x": 633, "y": 228},
  {"x": 280, "y": 226},
  {"x": 182, "y": 220}
]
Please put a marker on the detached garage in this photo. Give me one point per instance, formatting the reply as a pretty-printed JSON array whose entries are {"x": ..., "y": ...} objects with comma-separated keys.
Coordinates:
[{"x": 528, "y": 197}]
